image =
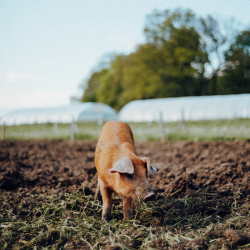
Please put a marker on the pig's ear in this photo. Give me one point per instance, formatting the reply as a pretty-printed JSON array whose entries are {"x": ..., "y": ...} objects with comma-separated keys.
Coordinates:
[
  {"x": 123, "y": 166},
  {"x": 150, "y": 169}
]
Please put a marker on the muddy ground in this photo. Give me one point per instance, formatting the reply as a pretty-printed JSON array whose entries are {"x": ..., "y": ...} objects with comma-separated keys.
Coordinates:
[
  {"x": 34, "y": 167},
  {"x": 38, "y": 166}
]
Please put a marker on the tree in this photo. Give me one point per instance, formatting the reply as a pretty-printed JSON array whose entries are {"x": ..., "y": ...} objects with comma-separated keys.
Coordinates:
[
  {"x": 111, "y": 88},
  {"x": 181, "y": 56},
  {"x": 92, "y": 86},
  {"x": 168, "y": 65},
  {"x": 105, "y": 86},
  {"x": 142, "y": 78},
  {"x": 216, "y": 37},
  {"x": 235, "y": 77},
  {"x": 184, "y": 57},
  {"x": 160, "y": 25}
]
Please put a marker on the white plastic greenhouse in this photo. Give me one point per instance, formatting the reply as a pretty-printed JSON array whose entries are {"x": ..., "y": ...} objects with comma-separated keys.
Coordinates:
[
  {"x": 87, "y": 111},
  {"x": 187, "y": 108}
]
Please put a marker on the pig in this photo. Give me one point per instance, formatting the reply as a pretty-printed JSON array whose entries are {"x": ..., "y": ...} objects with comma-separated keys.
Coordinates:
[{"x": 120, "y": 170}]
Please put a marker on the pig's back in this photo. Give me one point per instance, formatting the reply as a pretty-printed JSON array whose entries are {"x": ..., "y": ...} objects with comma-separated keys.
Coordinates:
[
  {"x": 117, "y": 133},
  {"x": 116, "y": 141}
]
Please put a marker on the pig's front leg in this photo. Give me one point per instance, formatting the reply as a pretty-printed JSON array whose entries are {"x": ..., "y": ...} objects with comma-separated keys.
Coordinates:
[
  {"x": 98, "y": 196},
  {"x": 107, "y": 203},
  {"x": 127, "y": 211}
]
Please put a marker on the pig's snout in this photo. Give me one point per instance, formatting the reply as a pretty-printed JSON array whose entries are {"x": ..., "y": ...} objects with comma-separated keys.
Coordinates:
[{"x": 149, "y": 196}]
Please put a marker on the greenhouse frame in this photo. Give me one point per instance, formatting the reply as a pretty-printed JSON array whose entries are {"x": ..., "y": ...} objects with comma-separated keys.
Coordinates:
[
  {"x": 79, "y": 112},
  {"x": 193, "y": 108}
]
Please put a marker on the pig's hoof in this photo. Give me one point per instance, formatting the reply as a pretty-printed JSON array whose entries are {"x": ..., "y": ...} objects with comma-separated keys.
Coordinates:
[
  {"x": 127, "y": 219},
  {"x": 106, "y": 218}
]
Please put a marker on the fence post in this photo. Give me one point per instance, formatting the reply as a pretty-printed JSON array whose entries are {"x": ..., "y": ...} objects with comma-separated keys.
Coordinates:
[
  {"x": 3, "y": 131},
  {"x": 72, "y": 130},
  {"x": 55, "y": 128},
  {"x": 183, "y": 122},
  {"x": 163, "y": 136}
]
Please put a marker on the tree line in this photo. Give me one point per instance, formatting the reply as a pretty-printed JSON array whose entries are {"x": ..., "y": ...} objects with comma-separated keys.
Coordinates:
[{"x": 184, "y": 55}]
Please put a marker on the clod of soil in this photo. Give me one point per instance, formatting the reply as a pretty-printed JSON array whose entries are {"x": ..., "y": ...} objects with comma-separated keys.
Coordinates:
[
  {"x": 190, "y": 245},
  {"x": 160, "y": 244},
  {"x": 246, "y": 223},
  {"x": 237, "y": 237},
  {"x": 223, "y": 244},
  {"x": 112, "y": 247}
]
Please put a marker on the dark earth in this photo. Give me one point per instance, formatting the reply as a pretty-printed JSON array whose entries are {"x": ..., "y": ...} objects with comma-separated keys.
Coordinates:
[{"x": 184, "y": 168}]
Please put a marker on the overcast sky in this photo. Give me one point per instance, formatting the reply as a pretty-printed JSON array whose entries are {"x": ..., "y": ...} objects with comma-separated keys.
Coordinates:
[{"x": 47, "y": 47}]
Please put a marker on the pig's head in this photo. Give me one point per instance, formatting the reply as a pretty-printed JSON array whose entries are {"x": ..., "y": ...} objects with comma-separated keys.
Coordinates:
[{"x": 131, "y": 178}]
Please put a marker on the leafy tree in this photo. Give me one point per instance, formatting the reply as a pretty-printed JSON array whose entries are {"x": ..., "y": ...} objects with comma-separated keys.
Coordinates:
[
  {"x": 168, "y": 65},
  {"x": 177, "y": 60},
  {"x": 142, "y": 79},
  {"x": 216, "y": 37},
  {"x": 175, "y": 35},
  {"x": 236, "y": 73},
  {"x": 111, "y": 88},
  {"x": 92, "y": 86},
  {"x": 160, "y": 25}
]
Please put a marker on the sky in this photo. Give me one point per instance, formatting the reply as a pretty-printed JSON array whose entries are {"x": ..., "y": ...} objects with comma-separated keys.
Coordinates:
[{"x": 48, "y": 47}]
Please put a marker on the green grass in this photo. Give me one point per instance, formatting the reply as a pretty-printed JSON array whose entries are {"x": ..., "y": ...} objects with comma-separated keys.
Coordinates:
[
  {"x": 62, "y": 221},
  {"x": 83, "y": 131},
  {"x": 194, "y": 130},
  {"x": 197, "y": 131}
]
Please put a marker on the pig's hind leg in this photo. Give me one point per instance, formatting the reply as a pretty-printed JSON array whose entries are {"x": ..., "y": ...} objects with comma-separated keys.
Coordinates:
[{"x": 98, "y": 196}]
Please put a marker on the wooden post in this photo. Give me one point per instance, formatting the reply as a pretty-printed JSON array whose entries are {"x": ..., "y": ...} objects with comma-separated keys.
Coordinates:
[
  {"x": 183, "y": 123},
  {"x": 72, "y": 130},
  {"x": 55, "y": 128},
  {"x": 161, "y": 124},
  {"x": 3, "y": 131}
]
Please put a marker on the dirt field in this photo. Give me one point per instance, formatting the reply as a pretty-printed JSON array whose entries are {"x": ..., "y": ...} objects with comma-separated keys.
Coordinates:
[
  {"x": 57, "y": 166},
  {"x": 218, "y": 173}
]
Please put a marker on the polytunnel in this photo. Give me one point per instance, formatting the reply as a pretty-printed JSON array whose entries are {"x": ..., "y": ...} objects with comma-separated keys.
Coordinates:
[
  {"x": 187, "y": 108},
  {"x": 87, "y": 111}
]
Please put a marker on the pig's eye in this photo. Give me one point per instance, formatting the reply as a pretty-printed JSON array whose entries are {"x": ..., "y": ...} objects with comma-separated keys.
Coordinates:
[{"x": 130, "y": 176}]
